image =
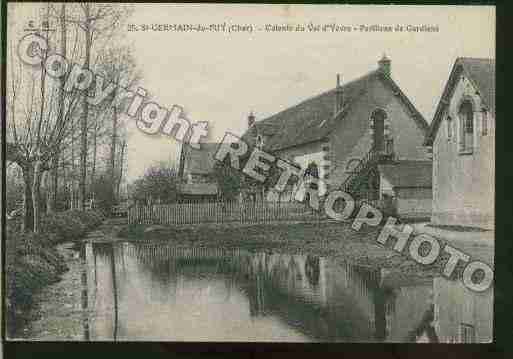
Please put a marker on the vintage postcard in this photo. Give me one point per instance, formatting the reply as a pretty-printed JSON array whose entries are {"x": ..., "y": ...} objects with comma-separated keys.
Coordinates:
[{"x": 249, "y": 173}]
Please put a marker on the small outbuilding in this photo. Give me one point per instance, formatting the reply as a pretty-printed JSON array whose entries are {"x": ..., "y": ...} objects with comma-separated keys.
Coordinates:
[
  {"x": 406, "y": 187},
  {"x": 196, "y": 173}
]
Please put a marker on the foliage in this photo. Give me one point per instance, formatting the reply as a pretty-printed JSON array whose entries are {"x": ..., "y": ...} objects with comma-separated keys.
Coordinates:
[
  {"x": 229, "y": 181},
  {"x": 158, "y": 183},
  {"x": 69, "y": 225},
  {"x": 103, "y": 191}
]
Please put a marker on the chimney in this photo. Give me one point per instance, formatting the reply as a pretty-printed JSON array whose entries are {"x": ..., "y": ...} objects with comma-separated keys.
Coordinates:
[
  {"x": 385, "y": 65},
  {"x": 251, "y": 119},
  {"x": 339, "y": 96}
]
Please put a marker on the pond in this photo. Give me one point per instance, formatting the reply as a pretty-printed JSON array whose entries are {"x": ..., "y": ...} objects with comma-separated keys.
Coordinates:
[{"x": 150, "y": 292}]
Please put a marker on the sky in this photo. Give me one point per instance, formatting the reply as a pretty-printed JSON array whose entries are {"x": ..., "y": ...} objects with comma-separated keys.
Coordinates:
[{"x": 221, "y": 77}]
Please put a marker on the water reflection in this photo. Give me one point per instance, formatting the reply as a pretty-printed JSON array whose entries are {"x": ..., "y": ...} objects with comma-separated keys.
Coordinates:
[{"x": 160, "y": 292}]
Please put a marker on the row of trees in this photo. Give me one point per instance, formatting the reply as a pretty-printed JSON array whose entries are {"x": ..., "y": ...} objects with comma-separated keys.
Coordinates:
[{"x": 62, "y": 146}]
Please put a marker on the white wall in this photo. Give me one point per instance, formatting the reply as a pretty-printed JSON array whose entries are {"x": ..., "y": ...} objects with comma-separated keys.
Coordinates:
[{"x": 463, "y": 184}]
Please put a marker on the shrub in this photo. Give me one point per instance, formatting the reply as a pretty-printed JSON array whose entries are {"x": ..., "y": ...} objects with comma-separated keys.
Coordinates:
[
  {"x": 31, "y": 263},
  {"x": 70, "y": 225},
  {"x": 90, "y": 219}
]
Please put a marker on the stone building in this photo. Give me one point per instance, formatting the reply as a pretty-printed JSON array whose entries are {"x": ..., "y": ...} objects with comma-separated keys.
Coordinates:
[
  {"x": 462, "y": 136},
  {"x": 343, "y": 134}
]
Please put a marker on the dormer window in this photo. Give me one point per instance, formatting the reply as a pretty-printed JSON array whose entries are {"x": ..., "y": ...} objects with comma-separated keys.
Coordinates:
[{"x": 466, "y": 118}]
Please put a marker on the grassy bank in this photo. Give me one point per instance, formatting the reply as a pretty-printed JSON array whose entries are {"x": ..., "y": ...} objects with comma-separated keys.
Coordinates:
[
  {"x": 330, "y": 239},
  {"x": 32, "y": 262}
]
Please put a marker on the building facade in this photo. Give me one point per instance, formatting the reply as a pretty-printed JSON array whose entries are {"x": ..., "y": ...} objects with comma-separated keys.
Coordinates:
[
  {"x": 342, "y": 134},
  {"x": 196, "y": 173},
  {"x": 462, "y": 138}
]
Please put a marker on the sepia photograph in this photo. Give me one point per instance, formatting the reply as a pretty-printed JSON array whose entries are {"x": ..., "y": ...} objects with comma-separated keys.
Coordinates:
[{"x": 249, "y": 173}]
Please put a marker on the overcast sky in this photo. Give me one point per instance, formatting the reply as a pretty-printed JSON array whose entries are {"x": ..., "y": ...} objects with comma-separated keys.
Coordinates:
[{"x": 220, "y": 77}]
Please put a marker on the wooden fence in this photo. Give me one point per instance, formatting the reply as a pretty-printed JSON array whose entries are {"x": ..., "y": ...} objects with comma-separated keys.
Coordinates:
[{"x": 221, "y": 212}]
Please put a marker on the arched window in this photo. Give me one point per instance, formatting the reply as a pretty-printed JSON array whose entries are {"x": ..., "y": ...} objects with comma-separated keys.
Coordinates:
[
  {"x": 449, "y": 128},
  {"x": 466, "y": 116}
]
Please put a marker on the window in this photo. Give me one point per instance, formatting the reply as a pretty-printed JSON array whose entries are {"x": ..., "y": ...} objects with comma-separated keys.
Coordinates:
[
  {"x": 466, "y": 115},
  {"x": 449, "y": 127},
  {"x": 484, "y": 123},
  {"x": 467, "y": 333}
]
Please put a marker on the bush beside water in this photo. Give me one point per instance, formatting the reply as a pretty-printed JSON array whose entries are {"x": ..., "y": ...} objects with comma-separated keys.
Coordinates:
[{"x": 32, "y": 260}]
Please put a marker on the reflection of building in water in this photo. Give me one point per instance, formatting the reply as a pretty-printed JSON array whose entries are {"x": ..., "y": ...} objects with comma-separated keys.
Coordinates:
[
  {"x": 133, "y": 288},
  {"x": 332, "y": 293},
  {"x": 406, "y": 301},
  {"x": 461, "y": 315}
]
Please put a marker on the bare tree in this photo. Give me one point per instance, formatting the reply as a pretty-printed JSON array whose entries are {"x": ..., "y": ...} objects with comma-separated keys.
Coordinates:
[
  {"x": 34, "y": 129},
  {"x": 43, "y": 119},
  {"x": 52, "y": 197},
  {"x": 96, "y": 20},
  {"x": 117, "y": 65}
]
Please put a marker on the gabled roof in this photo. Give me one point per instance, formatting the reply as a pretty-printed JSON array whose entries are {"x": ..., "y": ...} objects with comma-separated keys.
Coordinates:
[
  {"x": 408, "y": 174},
  {"x": 314, "y": 118},
  {"x": 481, "y": 73},
  {"x": 198, "y": 161}
]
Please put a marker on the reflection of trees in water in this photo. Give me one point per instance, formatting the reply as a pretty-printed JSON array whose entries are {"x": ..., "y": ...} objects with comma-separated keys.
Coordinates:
[
  {"x": 284, "y": 294},
  {"x": 114, "y": 291},
  {"x": 312, "y": 270},
  {"x": 286, "y": 286},
  {"x": 84, "y": 298}
]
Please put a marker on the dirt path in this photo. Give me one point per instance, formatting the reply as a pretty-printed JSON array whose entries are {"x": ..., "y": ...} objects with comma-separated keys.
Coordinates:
[{"x": 57, "y": 312}]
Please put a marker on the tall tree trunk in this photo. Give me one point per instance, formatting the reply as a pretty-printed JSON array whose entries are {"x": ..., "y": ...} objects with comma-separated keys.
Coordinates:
[
  {"x": 121, "y": 161},
  {"x": 52, "y": 188},
  {"x": 113, "y": 142},
  {"x": 52, "y": 203},
  {"x": 28, "y": 206},
  {"x": 36, "y": 195},
  {"x": 95, "y": 149},
  {"x": 85, "y": 114},
  {"x": 49, "y": 186},
  {"x": 73, "y": 169},
  {"x": 64, "y": 182}
]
